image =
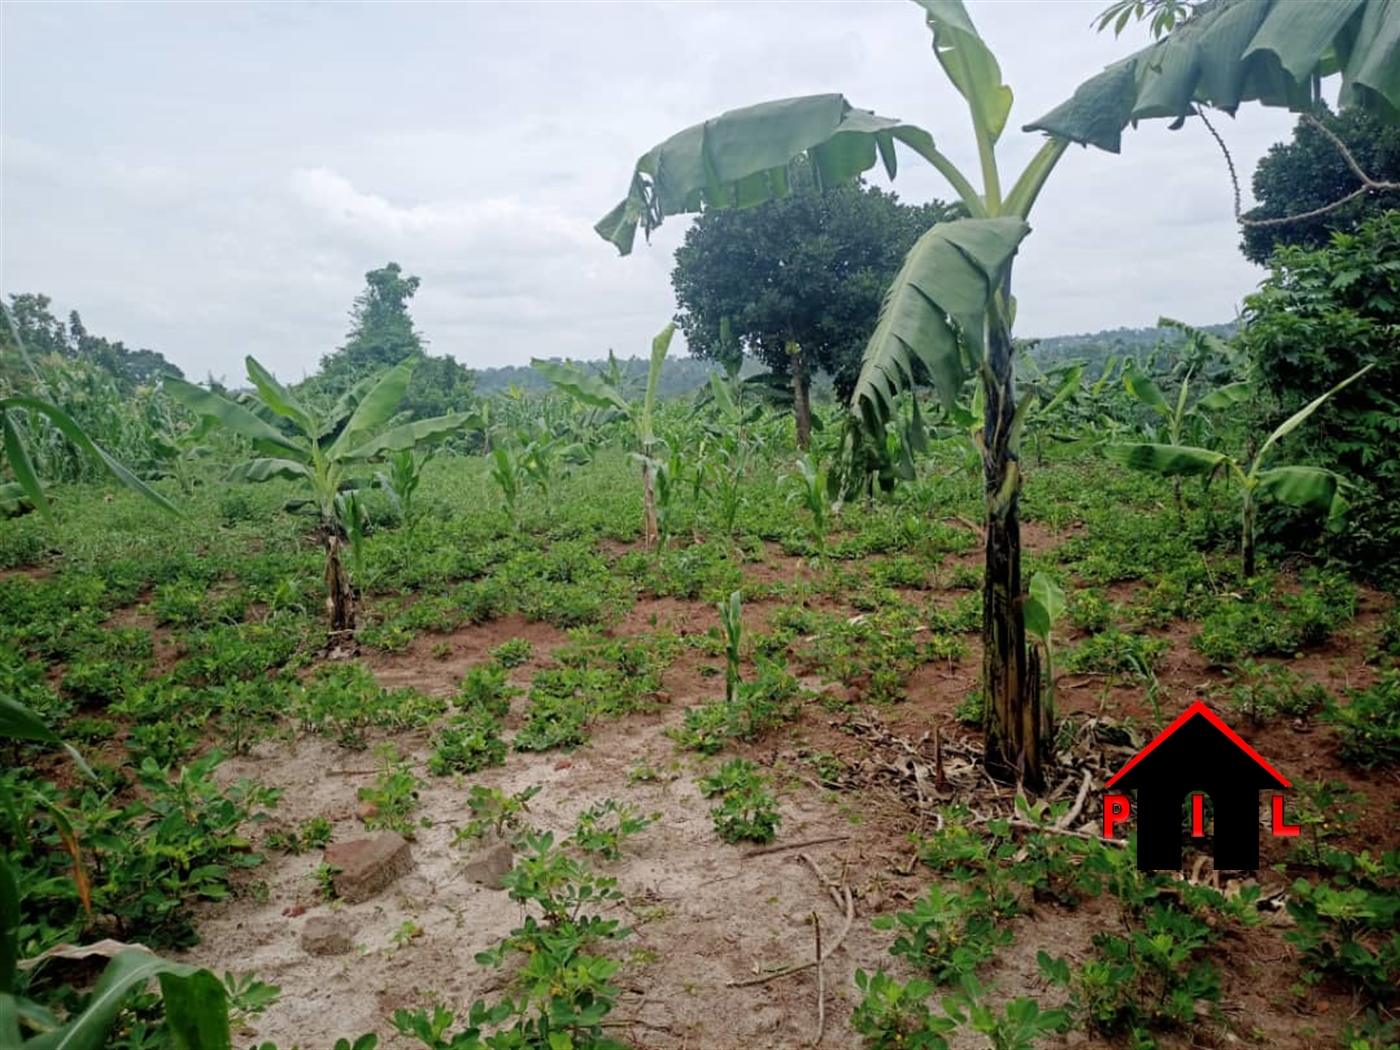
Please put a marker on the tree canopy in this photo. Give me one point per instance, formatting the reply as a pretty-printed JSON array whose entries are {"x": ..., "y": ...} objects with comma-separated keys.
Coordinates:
[
  {"x": 33, "y": 324},
  {"x": 1322, "y": 314},
  {"x": 382, "y": 336},
  {"x": 381, "y": 331},
  {"x": 1310, "y": 172},
  {"x": 805, "y": 272}
]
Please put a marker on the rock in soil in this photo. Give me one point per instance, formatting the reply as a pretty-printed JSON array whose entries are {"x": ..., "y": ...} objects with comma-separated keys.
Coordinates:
[
  {"x": 367, "y": 865},
  {"x": 490, "y": 866},
  {"x": 327, "y": 935}
]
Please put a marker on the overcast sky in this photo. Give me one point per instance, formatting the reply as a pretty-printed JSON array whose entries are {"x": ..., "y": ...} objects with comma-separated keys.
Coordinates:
[{"x": 212, "y": 180}]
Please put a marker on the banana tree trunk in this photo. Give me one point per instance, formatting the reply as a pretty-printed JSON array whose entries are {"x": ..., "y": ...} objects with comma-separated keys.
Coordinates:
[
  {"x": 650, "y": 532},
  {"x": 1010, "y": 690},
  {"x": 801, "y": 401},
  {"x": 340, "y": 597}
]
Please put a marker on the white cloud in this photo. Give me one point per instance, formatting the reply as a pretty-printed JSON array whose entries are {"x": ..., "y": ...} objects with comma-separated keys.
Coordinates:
[
  {"x": 211, "y": 200},
  {"x": 336, "y": 199}
]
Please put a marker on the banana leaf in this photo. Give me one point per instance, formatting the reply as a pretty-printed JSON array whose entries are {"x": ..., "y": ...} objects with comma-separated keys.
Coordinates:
[
  {"x": 741, "y": 158},
  {"x": 279, "y": 398},
  {"x": 414, "y": 435},
  {"x": 232, "y": 415},
  {"x": 1234, "y": 51},
  {"x": 592, "y": 390},
  {"x": 1301, "y": 486},
  {"x": 935, "y": 312},
  {"x": 1167, "y": 460},
  {"x": 374, "y": 410}
]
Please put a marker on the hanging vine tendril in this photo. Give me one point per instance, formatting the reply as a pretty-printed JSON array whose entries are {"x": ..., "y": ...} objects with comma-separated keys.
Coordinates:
[{"x": 1368, "y": 184}]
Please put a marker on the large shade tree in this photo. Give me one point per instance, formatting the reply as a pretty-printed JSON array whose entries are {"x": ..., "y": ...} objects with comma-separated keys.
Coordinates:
[
  {"x": 798, "y": 281},
  {"x": 1313, "y": 176},
  {"x": 951, "y": 306},
  {"x": 382, "y": 336}
]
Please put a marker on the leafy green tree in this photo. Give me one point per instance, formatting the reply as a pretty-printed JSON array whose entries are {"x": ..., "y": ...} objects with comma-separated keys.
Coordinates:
[
  {"x": 951, "y": 304},
  {"x": 322, "y": 451},
  {"x": 439, "y": 386},
  {"x": 799, "y": 280},
  {"x": 33, "y": 326},
  {"x": 45, "y": 336},
  {"x": 1322, "y": 314},
  {"x": 382, "y": 336},
  {"x": 381, "y": 332},
  {"x": 1310, "y": 172}
]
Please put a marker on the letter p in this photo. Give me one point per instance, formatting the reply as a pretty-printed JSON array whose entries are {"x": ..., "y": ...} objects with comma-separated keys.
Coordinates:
[{"x": 1115, "y": 811}]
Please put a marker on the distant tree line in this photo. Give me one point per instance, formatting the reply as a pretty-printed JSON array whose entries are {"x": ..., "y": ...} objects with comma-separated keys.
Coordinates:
[{"x": 34, "y": 326}]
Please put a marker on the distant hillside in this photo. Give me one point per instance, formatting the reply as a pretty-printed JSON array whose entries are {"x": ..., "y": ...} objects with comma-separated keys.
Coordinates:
[
  {"x": 682, "y": 376},
  {"x": 1094, "y": 349}
]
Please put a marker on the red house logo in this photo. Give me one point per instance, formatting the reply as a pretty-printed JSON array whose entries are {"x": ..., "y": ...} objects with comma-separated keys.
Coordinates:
[{"x": 1196, "y": 753}]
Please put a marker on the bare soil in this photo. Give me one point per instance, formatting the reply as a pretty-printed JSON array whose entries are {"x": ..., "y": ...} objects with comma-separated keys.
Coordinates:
[{"x": 705, "y": 914}]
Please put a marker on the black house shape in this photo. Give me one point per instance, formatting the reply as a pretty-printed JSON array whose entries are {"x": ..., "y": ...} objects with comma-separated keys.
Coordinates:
[{"x": 1198, "y": 752}]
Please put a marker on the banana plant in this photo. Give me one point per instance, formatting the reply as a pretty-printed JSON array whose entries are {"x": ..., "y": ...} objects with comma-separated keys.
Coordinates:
[
  {"x": 1182, "y": 422},
  {"x": 950, "y": 307},
  {"x": 607, "y": 392},
  {"x": 1053, "y": 395},
  {"x": 1298, "y": 486},
  {"x": 322, "y": 452}
]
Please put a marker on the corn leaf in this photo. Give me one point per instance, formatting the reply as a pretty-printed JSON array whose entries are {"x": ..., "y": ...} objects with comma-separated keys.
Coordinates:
[
  {"x": 76, "y": 435},
  {"x": 196, "y": 1011},
  {"x": 128, "y": 971},
  {"x": 23, "y": 467}
]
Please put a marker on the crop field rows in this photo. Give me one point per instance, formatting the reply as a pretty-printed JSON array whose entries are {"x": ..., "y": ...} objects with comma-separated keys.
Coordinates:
[{"x": 704, "y": 759}]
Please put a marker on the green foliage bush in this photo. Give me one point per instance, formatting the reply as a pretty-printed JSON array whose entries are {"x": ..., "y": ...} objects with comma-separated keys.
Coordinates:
[
  {"x": 1369, "y": 726},
  {"x": 1321, "y": 315}
]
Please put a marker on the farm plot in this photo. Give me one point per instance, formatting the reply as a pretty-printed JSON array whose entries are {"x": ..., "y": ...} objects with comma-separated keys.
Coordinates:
[{"x": 639, "y": 790}]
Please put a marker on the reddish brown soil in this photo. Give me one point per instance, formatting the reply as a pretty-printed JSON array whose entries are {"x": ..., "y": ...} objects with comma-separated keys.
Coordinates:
[{"x": 711, "y": 920}]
